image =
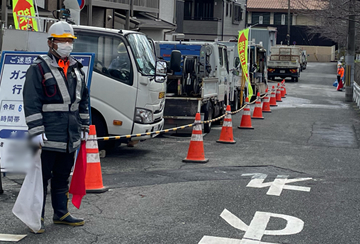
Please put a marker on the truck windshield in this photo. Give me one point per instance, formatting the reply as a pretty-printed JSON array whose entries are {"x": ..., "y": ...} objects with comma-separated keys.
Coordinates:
[{"x": 143, "y": 53}]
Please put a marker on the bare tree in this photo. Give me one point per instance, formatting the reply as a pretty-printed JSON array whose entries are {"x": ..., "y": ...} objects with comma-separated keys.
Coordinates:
[{"x": 331, "y": 18}]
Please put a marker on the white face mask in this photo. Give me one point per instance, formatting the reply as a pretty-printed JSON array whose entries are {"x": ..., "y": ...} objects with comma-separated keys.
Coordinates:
[{"x": 64, "y": 49}]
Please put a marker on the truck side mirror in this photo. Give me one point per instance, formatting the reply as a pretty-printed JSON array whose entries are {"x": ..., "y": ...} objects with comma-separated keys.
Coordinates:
[
  {"x": 161, "y": 68},
  {"x": 175, "y": 61}
]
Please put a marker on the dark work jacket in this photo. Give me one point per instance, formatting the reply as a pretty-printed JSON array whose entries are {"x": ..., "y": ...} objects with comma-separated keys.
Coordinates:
[{"x": 56, "y": 105}]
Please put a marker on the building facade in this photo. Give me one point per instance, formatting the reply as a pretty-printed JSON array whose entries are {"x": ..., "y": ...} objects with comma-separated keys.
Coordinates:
[
  {"x": 274, "y": 13},
  {"x": 152, "y": 17},
  {"x": 210, "y": 19}
]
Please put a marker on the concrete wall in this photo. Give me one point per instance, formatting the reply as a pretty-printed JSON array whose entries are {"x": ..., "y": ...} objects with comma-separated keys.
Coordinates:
[
  {"x": 304, "y": 20},
  {"x": 319, "y": 54},
  {"x": 157, "y": 35},
  {"x": 167, "y": 10}
]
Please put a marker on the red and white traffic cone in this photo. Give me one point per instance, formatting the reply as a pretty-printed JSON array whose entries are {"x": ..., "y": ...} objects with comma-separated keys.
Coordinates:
[
  {"x": 273, "y": 97},
  {"x": 226, "y": 135},
  {"x": 246, "y": 117},
  {"x": 196, "y": 148},
  {"x": 278, "y": 93},
  {"x": 266, "y": 103},
  {"x": 283, "y": 84},
  {"x": 257, "y": 114}
]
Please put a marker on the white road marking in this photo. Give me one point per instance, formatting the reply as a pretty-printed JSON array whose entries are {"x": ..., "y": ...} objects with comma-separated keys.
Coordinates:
[
  {"x": 276, "y": 187},
  {"x": 257, "y": 228},
  {"x": 12, "y": 238}
]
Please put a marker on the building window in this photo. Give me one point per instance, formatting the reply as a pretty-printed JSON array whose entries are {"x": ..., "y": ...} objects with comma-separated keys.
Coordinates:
[
  {"x": 238, "y": 14},
  {"x": 188, "y": 9},
  {"x": 260, "y": 18},
  {"x": 282, "y": 19},
  {"x": 227, "y": 9},
  {"x": 204, "y": 10}
]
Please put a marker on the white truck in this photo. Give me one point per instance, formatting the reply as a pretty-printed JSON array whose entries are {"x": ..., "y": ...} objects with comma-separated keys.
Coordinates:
[
  {"x": 202, "y": 85},
  {"x": 284, "y": 62},
  {"x": 125, "y": 100}
]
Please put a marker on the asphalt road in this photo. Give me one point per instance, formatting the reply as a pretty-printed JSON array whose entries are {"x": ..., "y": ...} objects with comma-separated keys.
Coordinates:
[{"x": 293, "y": 179}]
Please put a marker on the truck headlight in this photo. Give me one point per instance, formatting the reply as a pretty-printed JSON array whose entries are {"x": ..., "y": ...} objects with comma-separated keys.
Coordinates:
[{"x": 144, "y": 116}]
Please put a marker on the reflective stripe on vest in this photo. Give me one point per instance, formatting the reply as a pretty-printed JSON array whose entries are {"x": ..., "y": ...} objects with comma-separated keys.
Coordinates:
[{"x": 64, "y": 107}]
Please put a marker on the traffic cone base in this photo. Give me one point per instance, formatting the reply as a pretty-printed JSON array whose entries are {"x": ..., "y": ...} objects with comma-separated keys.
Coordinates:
[
  {"x": 226, "y": 135},
  {"x": 196, "y": 148},
  {"x": 93, "y": 177}
]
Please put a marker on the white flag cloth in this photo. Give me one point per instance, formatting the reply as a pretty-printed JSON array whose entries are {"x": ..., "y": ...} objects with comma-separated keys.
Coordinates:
[{"x": 29, "y": 203}]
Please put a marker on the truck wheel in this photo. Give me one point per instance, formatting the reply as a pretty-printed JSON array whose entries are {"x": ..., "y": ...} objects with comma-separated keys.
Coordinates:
[
  {"x": 208, "y": 115},
  {"x": 101, "y": 131}
]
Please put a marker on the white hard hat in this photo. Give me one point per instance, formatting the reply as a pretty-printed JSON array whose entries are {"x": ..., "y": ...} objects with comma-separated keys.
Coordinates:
[
  {"x": 121, "y": 48},
  {"x": 61, "y": 29}
]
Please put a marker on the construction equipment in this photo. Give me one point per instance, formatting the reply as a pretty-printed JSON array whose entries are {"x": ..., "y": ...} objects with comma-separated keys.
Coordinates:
[{"x": 204, "y": 84}]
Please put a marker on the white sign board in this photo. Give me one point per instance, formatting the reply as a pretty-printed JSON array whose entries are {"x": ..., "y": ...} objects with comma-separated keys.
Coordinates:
[{"x": 13, "y": 126}]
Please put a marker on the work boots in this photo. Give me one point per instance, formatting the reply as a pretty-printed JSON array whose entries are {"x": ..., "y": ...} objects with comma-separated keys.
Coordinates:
[{"x": 61, "y": 213}]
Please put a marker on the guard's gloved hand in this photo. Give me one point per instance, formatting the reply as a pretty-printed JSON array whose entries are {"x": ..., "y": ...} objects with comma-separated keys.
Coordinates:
[
  {"x": 39, "y": 139},
  {"x": 84, "y": 135}
]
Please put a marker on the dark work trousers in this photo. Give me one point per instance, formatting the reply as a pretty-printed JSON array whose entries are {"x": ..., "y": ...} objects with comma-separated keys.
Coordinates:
[{"x": 57, "y": 167}]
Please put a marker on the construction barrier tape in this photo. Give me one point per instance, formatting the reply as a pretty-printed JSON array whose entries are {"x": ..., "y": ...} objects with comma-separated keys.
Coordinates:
[{"x": 108, "y": 138}]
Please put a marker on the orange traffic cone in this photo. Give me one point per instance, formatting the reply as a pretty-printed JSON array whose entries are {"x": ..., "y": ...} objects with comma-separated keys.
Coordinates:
[
  {"x": 266, "y": 103},
  {"x": 196, "y": 149},
  {"x": 226, "y": 135},
  {"x": 246, "y": 118},
  {"x": 273, "y": 97},
  {"x": 283, "y": 82},
  {"x": 282, "y": 89},
  {"x": 93, "y": 178},
  {"x": 257, "y": 111},
  {"x": 278, "y": 93}
]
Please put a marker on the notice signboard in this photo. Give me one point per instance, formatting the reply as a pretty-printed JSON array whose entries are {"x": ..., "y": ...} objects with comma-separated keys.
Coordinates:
[{"x": 13, "y": 128}]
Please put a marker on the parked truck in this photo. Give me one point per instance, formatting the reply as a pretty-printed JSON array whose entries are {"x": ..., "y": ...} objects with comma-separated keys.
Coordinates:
[
  {"x": 284, "y": 62},
  {"x": 124, "y": 100},
  {"x": 203, "y": 84}
]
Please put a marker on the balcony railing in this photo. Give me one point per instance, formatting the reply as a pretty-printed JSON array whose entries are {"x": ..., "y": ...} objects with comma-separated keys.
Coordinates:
[
  {"x": 202, "y": 27},
  {"x": 138, "y": 5}
]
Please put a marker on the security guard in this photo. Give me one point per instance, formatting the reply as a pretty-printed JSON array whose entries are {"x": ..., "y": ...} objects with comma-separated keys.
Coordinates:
[{"x": 56, "y": 111}]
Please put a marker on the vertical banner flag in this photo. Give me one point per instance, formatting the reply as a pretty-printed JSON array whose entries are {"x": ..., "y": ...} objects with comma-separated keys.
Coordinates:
[
  {"x": 24, "y": 7},
  {"x": 243, "y": 55}
]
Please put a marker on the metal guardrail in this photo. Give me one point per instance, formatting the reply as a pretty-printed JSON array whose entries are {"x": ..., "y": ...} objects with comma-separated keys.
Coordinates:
[{"x": 356, "y": 94}]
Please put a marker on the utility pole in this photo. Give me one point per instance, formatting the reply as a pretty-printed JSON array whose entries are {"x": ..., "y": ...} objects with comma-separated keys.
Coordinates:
[
  {"x": 129, "y": 14},
  {"x": 288, "y": 25},
  {"x": 4, "y": 16},
  {"x": 349, "y": 58}
]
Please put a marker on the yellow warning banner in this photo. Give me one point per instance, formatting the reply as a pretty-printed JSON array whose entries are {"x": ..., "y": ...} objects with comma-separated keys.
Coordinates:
[
  {"x": 243, "y": 55},
  {"x": 25, "y": 8}
]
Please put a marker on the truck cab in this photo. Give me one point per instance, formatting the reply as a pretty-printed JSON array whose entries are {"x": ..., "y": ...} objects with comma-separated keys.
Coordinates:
[{"x": 126, "y": 95}]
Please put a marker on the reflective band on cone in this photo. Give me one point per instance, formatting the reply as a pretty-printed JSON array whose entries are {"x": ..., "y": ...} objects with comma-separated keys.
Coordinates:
[
  {"x": 196, "y": 148},
  {"x": 246, "y": 118},
  {"x": 93, "y": 177},
  {"x": 226, "y": 135}
]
